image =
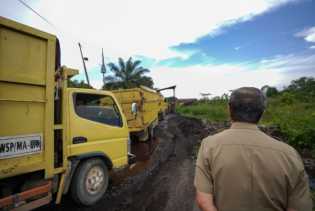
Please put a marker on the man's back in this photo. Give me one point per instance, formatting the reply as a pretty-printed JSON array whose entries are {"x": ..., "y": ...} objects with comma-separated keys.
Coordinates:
[{"x": 244, "y": 169}]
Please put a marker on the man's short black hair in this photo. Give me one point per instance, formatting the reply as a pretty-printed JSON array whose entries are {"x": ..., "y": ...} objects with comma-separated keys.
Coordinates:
[{"x": 247, "y": 104}]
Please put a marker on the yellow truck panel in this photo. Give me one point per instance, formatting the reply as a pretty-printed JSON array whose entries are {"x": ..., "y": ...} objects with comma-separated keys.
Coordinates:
[
  {"x": 24, "y": 56},
  {"x": 126, "y": 98},
  {"x": 150, "y": 103},
  {"x": 143, "y": 108},
  {"x": 26, "y": 99}
]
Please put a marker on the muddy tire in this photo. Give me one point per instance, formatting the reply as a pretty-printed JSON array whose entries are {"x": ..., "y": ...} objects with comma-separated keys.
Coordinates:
[{"x": 89, "y": 182}]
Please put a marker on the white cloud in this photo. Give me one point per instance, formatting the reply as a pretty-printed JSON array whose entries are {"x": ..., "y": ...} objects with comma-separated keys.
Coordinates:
[
  {"x": 142, "y": 27},
  {"x": 290, "y": 63},
  {"x": 215, "y": 79},
  {"x": 312, "y": 47},
  {"x": 307, "y": 34},
  {"x": 219, "y": 79}
]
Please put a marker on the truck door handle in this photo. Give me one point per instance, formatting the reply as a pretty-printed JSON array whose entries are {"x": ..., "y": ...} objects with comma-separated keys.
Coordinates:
[{"x": 79, "y": 140}]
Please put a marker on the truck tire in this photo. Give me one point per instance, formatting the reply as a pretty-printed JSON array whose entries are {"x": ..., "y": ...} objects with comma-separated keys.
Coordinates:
[{"x": 89, "y": 182}]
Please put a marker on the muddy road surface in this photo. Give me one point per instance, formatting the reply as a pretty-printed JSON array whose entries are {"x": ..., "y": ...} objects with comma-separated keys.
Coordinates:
[{"x": 166, "y": 182}]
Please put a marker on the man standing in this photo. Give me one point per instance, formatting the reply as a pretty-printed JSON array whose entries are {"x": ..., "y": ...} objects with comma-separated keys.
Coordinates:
[{"x": 243, "y": 169}]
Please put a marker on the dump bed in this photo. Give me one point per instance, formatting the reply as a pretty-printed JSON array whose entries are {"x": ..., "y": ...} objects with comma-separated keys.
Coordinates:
[
  {"x": 27, "y": 63},
  {"x": 150, "y": 103}
]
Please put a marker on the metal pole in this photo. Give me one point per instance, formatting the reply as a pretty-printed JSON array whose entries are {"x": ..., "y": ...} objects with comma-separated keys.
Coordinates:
[
  {"x": 103, "y": 68},
  {"x": 86, "y": 74}
]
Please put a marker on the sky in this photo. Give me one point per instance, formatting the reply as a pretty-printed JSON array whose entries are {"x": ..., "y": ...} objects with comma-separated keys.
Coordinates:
[{"x": 201, "y": 46}]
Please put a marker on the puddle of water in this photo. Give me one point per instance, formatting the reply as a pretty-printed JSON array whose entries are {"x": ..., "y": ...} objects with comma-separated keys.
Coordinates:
[{"x": 120, "y": 176}]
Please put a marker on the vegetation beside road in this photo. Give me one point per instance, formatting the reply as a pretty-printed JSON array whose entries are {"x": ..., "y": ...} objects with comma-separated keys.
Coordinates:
[
  {"x": 292, "y": 110},
  {"x": 123, "y": 75}
]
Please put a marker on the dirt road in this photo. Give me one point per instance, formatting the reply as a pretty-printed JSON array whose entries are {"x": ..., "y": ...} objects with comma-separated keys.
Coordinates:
[
  {"x": 171, "y": 188},
  {"x": 167, "y": 182}
]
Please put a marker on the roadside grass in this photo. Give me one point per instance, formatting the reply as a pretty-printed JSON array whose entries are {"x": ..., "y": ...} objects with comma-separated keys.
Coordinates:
[
  {"x": 213, "y": 111},
  {"x": 295, "y": 119}
]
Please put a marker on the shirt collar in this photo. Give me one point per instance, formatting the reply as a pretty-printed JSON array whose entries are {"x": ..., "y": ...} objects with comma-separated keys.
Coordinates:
[{"x": 244, "y": 125}]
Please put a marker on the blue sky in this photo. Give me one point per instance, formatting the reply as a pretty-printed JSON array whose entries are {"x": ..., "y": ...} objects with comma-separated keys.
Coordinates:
[
  {"x": 198, "y": 45},
  {"x": 262, "y": 37}
]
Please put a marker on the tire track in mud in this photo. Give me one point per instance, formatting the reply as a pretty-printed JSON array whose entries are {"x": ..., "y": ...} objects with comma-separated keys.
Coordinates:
[
  {"x": 168, "y": 183},
  {"x": 172, "y": 187}
]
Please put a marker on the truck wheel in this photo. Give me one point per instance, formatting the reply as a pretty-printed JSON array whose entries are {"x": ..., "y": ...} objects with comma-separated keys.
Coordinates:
[{"x": 89, "y": 182}]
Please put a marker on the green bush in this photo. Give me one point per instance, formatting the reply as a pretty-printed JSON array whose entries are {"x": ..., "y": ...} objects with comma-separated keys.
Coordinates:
[
  {"x": 296, "y": 120},
  {"x": 292, "y": 110},
  {"x": 287, "y": 98}
]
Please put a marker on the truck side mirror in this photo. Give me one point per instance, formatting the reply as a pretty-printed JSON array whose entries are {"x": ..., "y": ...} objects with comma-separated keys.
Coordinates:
[{"x": 134, "y": 108}]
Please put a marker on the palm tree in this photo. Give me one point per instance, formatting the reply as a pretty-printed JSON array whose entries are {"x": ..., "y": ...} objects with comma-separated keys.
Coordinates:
[{"x": 127, "y": 74}]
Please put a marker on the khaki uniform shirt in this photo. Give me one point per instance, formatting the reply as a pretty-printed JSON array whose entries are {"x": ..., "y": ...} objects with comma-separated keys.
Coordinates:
[{"x": 246, "y": 170}]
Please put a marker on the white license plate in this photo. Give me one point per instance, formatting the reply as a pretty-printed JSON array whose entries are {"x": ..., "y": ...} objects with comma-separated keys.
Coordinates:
[{"x": 14, "y": 146}]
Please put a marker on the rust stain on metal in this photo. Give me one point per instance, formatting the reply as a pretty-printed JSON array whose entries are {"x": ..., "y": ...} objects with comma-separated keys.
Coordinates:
[{"x": 9, "y": 170}]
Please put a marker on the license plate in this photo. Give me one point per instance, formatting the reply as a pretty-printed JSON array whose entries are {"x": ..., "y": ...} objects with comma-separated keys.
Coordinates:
[{"x": 15, "y": 146}]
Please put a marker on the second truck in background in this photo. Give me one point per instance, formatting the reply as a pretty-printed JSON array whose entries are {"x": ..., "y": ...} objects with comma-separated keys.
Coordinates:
[{"x": 143, "y": 108}]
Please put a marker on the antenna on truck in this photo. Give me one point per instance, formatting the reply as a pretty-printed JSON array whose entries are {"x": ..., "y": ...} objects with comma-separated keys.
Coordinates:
[
  {"x": 103, "y": 68},
  {"x": 84, "y": 66}
]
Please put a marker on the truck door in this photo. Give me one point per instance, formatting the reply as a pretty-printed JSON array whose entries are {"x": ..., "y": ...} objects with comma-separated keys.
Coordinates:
[{"x": 98, "y": 126}]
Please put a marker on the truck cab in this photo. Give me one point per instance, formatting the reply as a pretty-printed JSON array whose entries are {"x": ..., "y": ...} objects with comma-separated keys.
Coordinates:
[{"x": 96, "y": 122}]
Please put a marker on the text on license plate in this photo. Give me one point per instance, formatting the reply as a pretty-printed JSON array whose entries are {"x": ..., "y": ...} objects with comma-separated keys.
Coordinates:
[{"x": 14, "y": 146}]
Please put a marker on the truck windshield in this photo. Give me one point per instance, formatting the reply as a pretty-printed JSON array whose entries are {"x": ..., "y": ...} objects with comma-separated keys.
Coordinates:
[{"x": 97, "y": 108}]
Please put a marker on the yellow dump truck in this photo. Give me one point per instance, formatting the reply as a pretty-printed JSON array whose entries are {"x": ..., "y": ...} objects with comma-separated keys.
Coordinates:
[
  {"x": 52, "y": 138},
  {"x": 143, "y": 108}
]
